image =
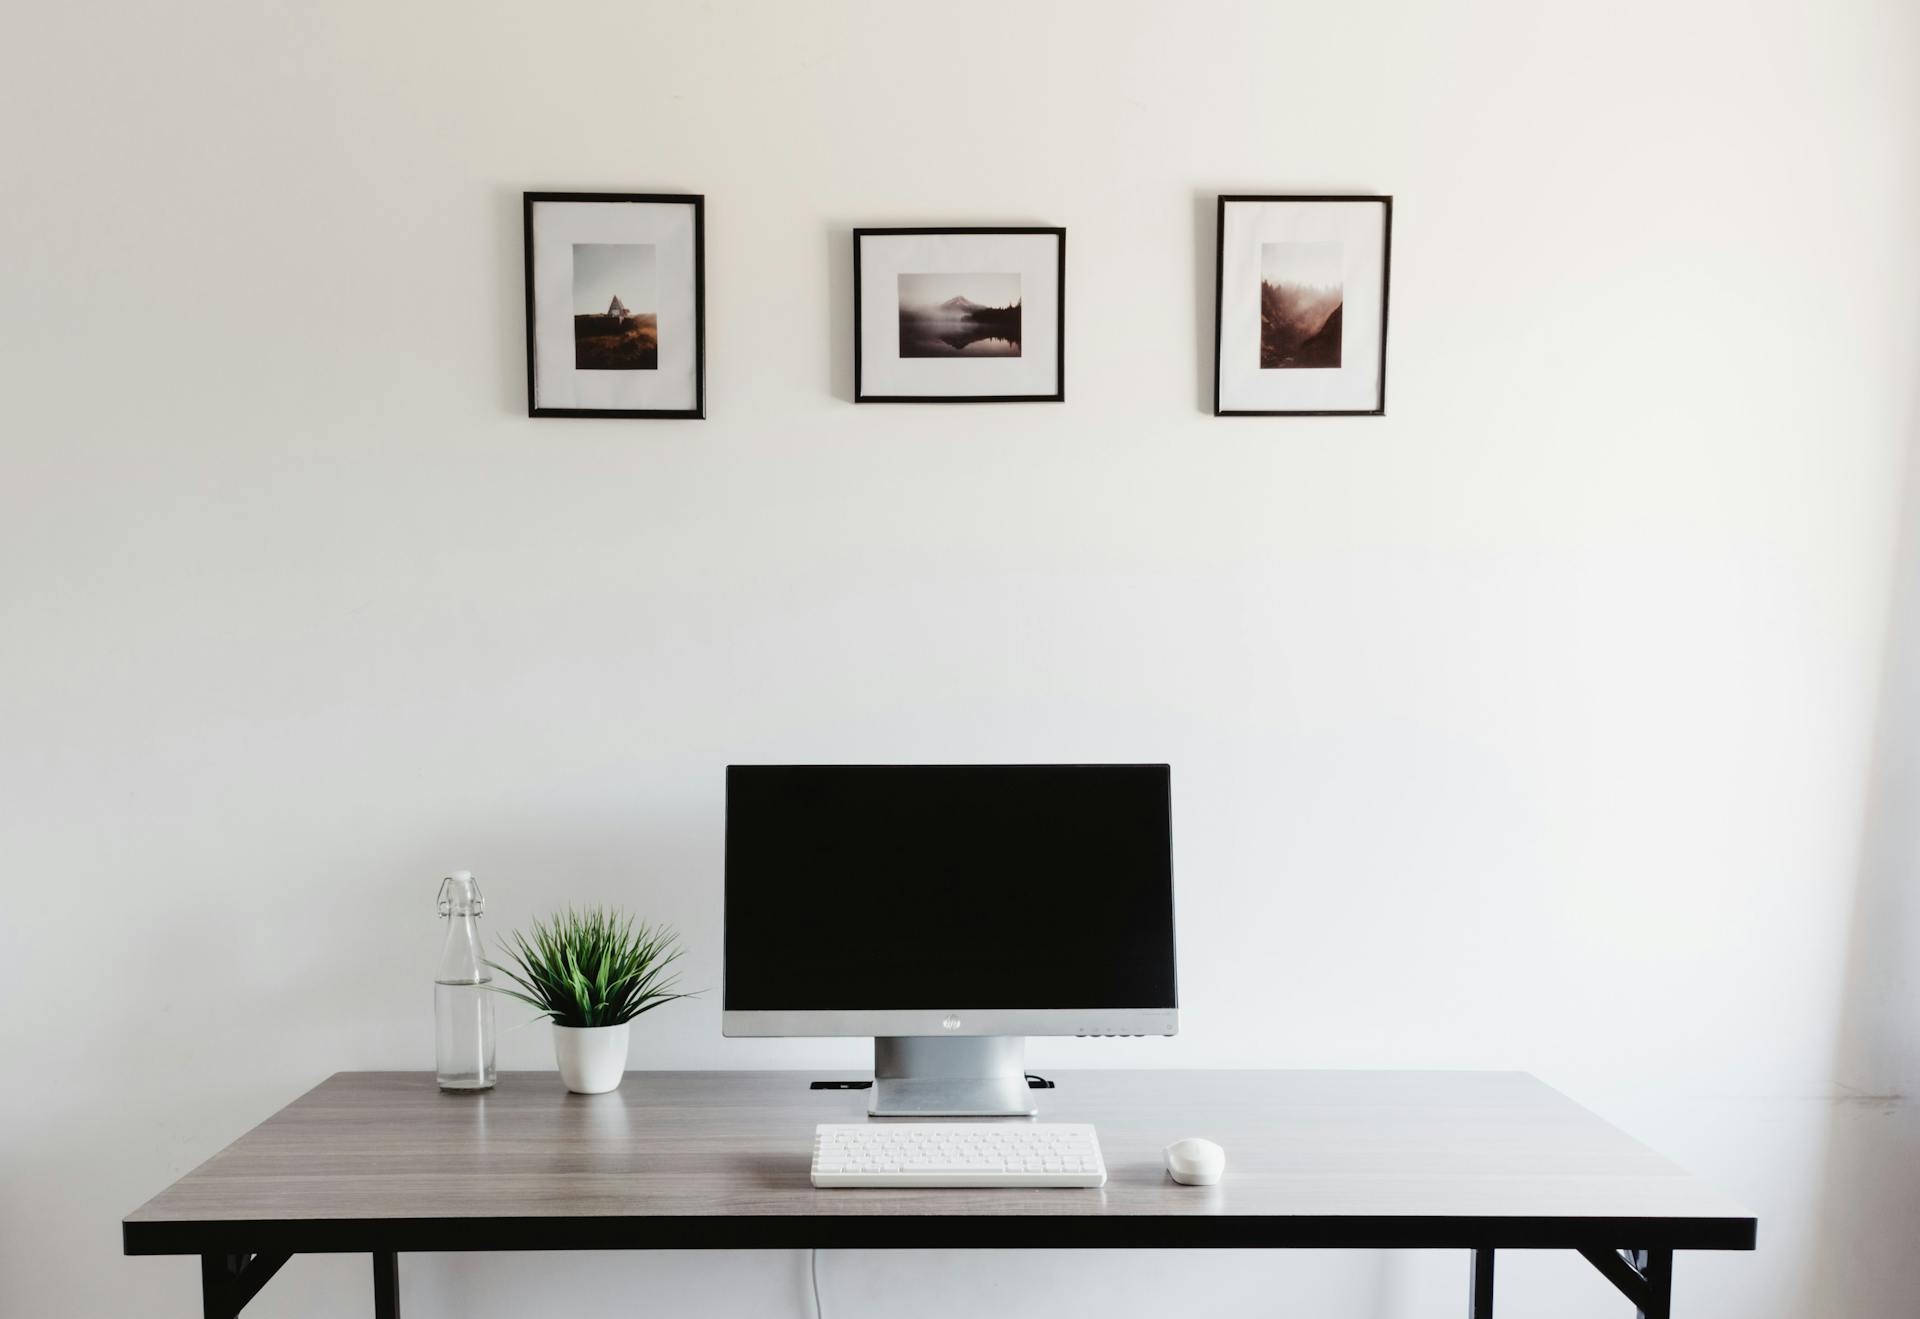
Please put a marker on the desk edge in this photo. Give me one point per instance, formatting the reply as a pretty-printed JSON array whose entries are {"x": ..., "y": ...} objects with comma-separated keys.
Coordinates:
[{"x": 936, "y": 1231}]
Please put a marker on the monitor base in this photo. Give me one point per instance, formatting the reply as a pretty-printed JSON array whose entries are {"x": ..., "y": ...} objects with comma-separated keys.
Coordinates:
[{"x": 947, "y": 1076}]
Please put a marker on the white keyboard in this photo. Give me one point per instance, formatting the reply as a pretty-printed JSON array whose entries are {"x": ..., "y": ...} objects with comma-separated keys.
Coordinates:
[{"x": 957, "y": 1154}]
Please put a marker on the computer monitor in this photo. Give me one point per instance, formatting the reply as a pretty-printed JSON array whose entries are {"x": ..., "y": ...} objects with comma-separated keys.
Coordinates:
[{"x": 948, "y": 911}]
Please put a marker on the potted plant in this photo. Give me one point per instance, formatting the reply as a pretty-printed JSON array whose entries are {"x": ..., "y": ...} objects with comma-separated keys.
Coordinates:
[{"x": 591, "y": 973}]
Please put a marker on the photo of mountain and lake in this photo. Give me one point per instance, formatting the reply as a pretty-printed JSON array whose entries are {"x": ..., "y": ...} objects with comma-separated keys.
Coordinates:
[
  {"x": 959, "y": 315},
  {"x": 611, "y": 280},
  {"x": 1300, "y": 303}
]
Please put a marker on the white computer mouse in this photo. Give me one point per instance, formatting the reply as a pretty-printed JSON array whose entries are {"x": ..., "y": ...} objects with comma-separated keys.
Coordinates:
[{"x": 1195, "y": 1162}]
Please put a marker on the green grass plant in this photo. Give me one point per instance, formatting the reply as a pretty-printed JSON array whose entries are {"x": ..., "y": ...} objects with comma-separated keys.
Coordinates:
[{"x": 595, "y": 967}]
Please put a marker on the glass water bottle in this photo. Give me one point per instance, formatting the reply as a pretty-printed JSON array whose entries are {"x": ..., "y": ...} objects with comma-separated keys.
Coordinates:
[{"x": 462, "y": 1002}]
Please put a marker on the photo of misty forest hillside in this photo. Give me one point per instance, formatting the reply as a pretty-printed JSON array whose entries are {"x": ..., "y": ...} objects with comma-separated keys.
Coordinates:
[
  {"x": 1300, "y": 305},
  {"x": 616, "y": 277},
  {"x": 959, "y": 315}
]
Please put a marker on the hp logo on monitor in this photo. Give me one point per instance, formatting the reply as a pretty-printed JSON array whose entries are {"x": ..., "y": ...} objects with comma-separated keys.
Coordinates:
[{"x": 950, "y": 1022}]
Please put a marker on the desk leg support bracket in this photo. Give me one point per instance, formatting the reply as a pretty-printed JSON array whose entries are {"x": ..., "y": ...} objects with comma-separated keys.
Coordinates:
[
  {"x": 228, "y": 1282},
  {"x": 1644, "y": 1277}
]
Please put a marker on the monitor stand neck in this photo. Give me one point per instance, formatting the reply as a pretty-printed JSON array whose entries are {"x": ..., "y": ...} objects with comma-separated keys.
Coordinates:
[{"x": 950, "y": 1076}]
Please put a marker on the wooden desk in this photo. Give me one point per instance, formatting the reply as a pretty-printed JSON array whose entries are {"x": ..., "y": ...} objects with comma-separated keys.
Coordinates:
[{"x": 382, "y": 1162}]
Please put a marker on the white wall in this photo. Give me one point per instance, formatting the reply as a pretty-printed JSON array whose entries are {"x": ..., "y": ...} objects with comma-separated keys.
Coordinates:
[
  {"x": 1530, "y": 726},
  {"x": 1870, "y": 1199}
]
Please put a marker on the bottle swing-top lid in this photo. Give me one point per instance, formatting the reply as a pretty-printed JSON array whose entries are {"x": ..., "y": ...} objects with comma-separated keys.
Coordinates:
[{"x": 460, "y": 894}]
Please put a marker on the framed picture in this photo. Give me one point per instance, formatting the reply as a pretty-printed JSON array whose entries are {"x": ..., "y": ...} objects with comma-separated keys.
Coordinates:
[
  {"x": 1300, "y": 307},
  {"x": 959, "y": 315},
  {"x": 616, "y": 304}
]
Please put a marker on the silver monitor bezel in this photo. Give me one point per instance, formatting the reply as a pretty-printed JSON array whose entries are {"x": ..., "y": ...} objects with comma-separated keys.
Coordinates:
[{"x": 961, "y": 1021}]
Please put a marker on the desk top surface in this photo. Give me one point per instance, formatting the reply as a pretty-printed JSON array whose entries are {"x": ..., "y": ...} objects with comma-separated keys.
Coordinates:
[{"x": 384, "y": 1160}]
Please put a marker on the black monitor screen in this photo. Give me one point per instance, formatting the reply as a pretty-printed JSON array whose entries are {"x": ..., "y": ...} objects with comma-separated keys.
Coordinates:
[{"x": 948, "y": 886}]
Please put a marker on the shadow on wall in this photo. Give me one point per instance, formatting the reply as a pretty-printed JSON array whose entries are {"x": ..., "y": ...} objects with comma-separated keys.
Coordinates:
[
  {"x": 1206, "y": 258},
  {"x": 510, "y": 299},
  {"x": 1870, "y": 1200},
  {"x": 840, "y": 301}
]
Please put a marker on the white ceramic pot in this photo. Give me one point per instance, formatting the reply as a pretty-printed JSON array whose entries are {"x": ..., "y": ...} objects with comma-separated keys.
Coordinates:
[{"x": 592, "y": 1058}]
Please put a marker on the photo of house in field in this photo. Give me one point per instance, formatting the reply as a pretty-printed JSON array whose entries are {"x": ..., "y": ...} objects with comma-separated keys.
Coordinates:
[{"x": 617, "y": 339}]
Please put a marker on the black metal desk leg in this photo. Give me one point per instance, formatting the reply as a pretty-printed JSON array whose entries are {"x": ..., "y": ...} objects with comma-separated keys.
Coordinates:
[
  {"x": 386, "y": 1285},
  {"x": 1480, "y": 1285},
  {"x": 1656, "y": 1266}
]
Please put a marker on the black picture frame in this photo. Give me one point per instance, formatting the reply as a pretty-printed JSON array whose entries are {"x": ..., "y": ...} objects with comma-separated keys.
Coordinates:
[
  {"x": 1059, "y": 394},
  {"x": 698, "y": 202},
  {"x": 1219, "y": 287}
]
